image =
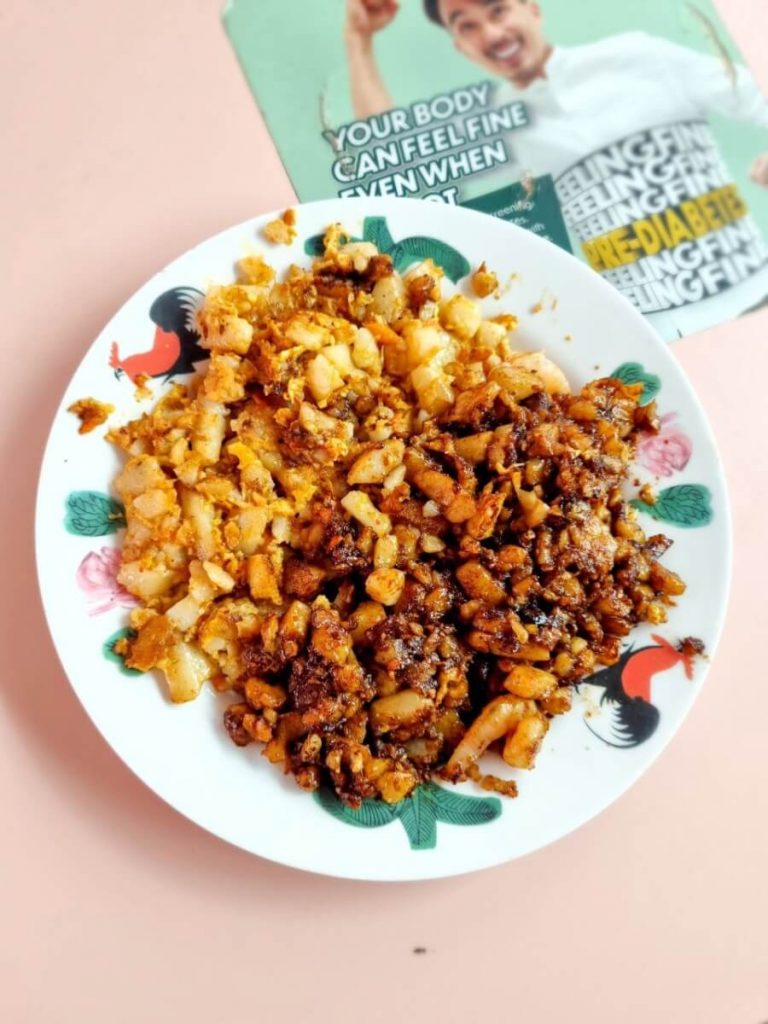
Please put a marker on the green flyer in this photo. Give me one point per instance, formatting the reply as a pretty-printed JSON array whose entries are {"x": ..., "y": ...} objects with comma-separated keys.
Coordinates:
[{"x": 632, "y": 135}]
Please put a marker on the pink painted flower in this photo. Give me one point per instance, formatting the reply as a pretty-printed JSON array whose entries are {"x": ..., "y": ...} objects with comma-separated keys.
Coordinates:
[
  {"x": 667, "y": 452},
  {"x": 97, "y": 576}
]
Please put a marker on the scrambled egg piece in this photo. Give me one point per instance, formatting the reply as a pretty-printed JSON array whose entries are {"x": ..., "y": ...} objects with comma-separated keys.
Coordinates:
[
  {"x": 281, "y": 231},
  {"x": 90, "y": 413}
]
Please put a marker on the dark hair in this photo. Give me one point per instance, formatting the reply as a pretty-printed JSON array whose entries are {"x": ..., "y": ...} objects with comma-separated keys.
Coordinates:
[{"x": 432, "y": 11}]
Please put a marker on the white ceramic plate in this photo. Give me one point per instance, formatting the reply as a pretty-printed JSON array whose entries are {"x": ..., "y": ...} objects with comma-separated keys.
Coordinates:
[{"x": 621, "y": 719}]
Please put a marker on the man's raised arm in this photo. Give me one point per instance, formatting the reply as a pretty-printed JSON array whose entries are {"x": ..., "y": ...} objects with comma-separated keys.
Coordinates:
[
  {"x": 364, "y": 18},
  {"x": 719, "y": 87}
]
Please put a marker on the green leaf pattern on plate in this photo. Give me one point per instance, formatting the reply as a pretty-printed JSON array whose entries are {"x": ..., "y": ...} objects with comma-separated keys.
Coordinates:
[
  {"x": 418, "y": 813},
  {"x": 418, "y": 248},
  {"x": 375, "y": 230},
  {"x": 314, "y": 246},
  {"x": 109, "y": 652},
  {"x": 93, "y": 514},
  {"x": 419, "y": 819},
  {"x": 635, "y": 373},
  {"x": 455, "y": 809},
  {"x": 686, "y": 505},
  {"x": 372, "y": 813}
]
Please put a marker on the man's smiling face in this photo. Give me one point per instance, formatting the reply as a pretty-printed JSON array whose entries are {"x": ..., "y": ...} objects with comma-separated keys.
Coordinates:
[{"x": 503, "y": 36}]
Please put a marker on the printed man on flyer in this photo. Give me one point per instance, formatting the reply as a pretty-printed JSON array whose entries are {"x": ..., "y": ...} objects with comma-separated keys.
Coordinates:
[{"x": 622, "y": 124}]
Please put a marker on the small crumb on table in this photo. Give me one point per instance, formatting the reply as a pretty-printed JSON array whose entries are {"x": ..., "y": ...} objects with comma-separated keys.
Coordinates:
[{"x": 90, "y": 413}]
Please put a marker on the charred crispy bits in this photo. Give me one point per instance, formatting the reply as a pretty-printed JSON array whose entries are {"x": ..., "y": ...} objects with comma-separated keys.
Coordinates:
[
  {"x": 396, "y": 540},
  {"x": 91, "y": 413}
]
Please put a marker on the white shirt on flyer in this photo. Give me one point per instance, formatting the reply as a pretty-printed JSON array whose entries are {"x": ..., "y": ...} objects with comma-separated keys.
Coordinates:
[{"x": 597, "y": 95}]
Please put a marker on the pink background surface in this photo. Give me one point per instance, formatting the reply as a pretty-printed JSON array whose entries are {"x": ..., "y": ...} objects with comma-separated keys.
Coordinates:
[{"x": 129, "y": 136}]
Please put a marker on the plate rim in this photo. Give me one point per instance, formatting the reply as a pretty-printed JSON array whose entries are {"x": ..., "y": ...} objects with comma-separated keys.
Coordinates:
[{"x": 371, "y": 206}]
